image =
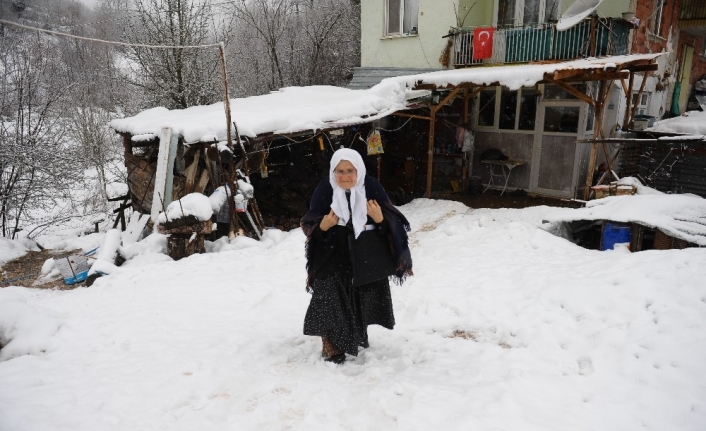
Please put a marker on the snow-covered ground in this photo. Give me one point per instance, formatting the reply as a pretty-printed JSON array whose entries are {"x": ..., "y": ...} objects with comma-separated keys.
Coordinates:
[{"x": 550, "y": 336}]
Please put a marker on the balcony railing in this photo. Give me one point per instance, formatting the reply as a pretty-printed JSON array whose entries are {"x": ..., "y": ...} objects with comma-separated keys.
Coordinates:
[
  {"x": 692, "y": 12},
  {"x": 545, "y": 42}
]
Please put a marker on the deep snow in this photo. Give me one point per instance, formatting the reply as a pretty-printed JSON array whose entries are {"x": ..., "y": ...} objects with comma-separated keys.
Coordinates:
[{"x": 557, "y": 338}]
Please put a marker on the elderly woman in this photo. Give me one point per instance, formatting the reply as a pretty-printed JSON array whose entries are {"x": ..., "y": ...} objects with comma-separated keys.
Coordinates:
[{"x": 344, "y": 205}]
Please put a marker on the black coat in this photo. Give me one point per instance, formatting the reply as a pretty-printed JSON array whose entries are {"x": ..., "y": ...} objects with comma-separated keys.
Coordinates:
[{"x": 322, "y": 249}]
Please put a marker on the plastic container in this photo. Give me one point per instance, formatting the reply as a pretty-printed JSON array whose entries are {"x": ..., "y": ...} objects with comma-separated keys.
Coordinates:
[
  {"x": 641, "y": 122},
  {"x": 74, "y": 268},
  {"x": 614, "y": 233}
]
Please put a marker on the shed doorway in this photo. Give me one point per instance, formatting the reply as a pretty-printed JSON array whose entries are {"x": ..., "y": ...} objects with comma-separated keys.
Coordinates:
[{"x": 556, "y": 157}]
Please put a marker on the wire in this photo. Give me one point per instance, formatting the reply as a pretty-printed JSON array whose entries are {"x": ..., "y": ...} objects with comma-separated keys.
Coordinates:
[
  {"x": 405, "y": 123},
  {"x": 109, "y": 42}
]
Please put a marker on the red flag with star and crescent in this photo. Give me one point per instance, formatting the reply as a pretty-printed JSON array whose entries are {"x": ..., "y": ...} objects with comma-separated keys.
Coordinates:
[{"x": 483, "y": 42}]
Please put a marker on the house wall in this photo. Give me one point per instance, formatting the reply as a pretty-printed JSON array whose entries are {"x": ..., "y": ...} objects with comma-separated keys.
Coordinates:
[
  {"x": 607, "y": 8},
  {"x": 514, "y": 146},
  {"x": 699, "y": 62},
  {"x": 423, "y": 50}
]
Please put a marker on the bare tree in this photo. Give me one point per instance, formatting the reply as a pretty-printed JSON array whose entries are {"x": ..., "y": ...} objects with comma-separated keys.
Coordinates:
[
  {"x": 33, "y": 168},
  {"x": 305, "y": 42},
  {"x": 175, "y": 78}
]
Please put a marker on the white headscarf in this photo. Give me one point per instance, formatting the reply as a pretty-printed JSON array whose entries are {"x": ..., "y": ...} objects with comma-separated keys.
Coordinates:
[{"x": 358, "y": 200}]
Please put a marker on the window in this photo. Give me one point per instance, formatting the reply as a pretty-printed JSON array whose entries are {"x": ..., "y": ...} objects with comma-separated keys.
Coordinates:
[
  {"x": 517, "y": 109},
  {"x": 511, "y": 13},
  {"x": 528, "y": 109},
  {"x": 656, "y": 18},
  {"x": 508, "y": 109},
  {"x": 401, "y": 17},
  {"x": 486, "y": 108},
  {"x": 643, "y": 104},
  {"x": 563, "y": 119}
]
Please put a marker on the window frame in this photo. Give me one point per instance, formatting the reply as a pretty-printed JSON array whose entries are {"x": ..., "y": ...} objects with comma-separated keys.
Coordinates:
[
  {"x": 519, "y": 16},
  {"x": 498, "y": 108},
  {"x": 644, "y": 106},
  {"x": 657, "y": 17},
  {"x": 412, "y": 31}
]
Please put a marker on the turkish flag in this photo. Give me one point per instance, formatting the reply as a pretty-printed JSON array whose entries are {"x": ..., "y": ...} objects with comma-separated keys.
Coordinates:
[{"x": 483, "y": 42}]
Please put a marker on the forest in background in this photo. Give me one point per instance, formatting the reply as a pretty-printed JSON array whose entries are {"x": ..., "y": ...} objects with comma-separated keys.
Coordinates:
[{"x": 59, "y": 159}]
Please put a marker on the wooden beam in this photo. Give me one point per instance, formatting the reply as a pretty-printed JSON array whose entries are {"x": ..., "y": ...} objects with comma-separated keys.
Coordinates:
[
  {"x": 625, "y": 88},
  {"x": 430, "y": 152},
  {"x": 447, "y": 99},
  {"x": 639, "y": 95},
  {"x": 653, "y": 67},
  {"x": 597, "y": 131},
  {"x": 575, "y": 75},
  {"x": 402, "y": 114},
  {"x": 572, "y": 90},
  {"x": 628, "y": 106}
]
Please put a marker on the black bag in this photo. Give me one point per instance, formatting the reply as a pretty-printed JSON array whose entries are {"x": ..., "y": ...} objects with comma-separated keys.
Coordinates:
[{"x": 371, "y": 257}]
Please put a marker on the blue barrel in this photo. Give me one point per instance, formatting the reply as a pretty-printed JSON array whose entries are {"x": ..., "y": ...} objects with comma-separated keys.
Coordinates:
[{"x": 614, "y": 233}]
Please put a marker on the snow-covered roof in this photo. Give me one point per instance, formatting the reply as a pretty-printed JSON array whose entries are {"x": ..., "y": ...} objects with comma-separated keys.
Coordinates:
[
  {"x": 682, "y": 216},
  {"x": 692, "y": 122},
  {"x": 289, "y": 110},
  {"x": 297, "y": 109},
  {"x": 517, "y": 76}
]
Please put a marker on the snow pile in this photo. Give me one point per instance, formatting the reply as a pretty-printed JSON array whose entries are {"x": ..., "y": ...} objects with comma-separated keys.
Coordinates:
[
  {"x": 71, "y": 240},
  {"x": 503, "y": 327},
  {"x": 692, "y": 122},
  {"x": 193, "y": 204},
  {"x": 24, "y": 329},
  {"x": 680, "y": 216},
  {"x": 11, "y": 249},
  {"x": 150, "y": 250}
]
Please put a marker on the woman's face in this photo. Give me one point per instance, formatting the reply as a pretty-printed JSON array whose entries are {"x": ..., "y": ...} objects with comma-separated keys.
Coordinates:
[{"x": 346, "y": 175}]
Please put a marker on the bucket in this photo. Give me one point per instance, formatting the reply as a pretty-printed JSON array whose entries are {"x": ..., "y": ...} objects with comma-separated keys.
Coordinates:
[{"x": 614, "y": 233}]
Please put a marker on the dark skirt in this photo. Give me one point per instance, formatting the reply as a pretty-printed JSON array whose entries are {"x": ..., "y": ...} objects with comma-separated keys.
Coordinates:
[{"x": 342, "y": 312}]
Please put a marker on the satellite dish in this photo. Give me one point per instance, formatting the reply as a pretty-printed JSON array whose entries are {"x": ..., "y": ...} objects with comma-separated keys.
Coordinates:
[{"x": 579, "y": 10}]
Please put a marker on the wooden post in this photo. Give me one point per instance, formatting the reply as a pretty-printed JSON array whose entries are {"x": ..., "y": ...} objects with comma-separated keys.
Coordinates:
[
  {"x": 597, "y": 131},
  {"x": 628, "y": 96},
  {"x": 164, "y": 177},
  {"x": 639, "y": 95},
  {"x": 430, "y": 151}
]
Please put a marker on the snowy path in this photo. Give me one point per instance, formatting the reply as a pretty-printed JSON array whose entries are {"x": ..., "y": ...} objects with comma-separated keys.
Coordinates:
[{"x": 556, "y": 338}]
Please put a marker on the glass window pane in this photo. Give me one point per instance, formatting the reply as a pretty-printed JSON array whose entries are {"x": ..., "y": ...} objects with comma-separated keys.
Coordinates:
[
  {"x": 590, "y": 118},
  {"x": 551, "y": 12},
  {"x": 506, "y": 13},
  {"x": 508, "y": 108},
  {"x": 411, "y": 13},
  {"x": 528, "y": 109},
  {"x": 486, "y": 108},
  {"x": 564, "y": 119},
  {"x": 530, "y": 14},
  {"x": 554, "y": 92},
  {"x": 393, "y": 16}
]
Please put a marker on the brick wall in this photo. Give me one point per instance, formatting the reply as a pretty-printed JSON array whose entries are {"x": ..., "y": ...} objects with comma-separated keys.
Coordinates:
[
  {"x": 643, "y": 42},
  {"x": 698, "y": 67}
]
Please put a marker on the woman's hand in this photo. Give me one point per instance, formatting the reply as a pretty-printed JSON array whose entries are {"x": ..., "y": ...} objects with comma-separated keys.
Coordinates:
[
  {"x": 330, "y": 220},
  {"x": 374, "y": 211}
]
